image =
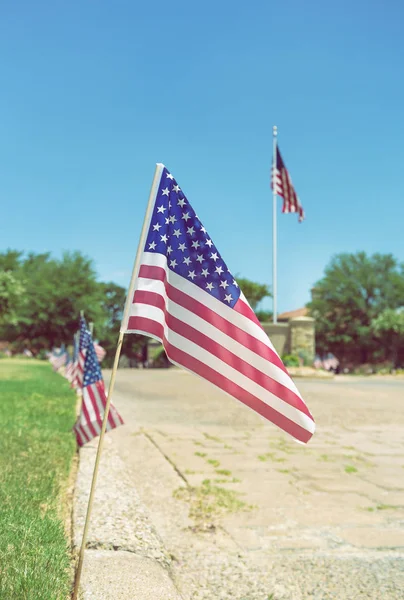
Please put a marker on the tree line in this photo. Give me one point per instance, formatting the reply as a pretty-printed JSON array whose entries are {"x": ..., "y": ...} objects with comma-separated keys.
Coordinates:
[
  {"x": 41, "y": 298},
  {"x": 357, "y": 305}
]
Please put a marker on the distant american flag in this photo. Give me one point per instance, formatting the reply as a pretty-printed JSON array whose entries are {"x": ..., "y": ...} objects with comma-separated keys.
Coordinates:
[
  {"x": 186, "y": 297},
  {"x": 84, "y": 340},
  {"x": 94, "y": 400},
  {"x": 58, "y": 358},
  {"x": 68, "y": 367},
  {"x": 282, "y": 186},
  {"x": 100, "y": 352}
]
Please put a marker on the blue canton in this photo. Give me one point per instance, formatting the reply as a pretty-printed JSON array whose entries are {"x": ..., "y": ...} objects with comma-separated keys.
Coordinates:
[
  {"x": 177, "y": 233},
  {"x": 92, "y": 371}
]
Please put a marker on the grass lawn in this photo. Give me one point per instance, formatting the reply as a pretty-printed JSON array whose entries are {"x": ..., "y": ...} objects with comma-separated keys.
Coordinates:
[{"x": 36, "y": 452}]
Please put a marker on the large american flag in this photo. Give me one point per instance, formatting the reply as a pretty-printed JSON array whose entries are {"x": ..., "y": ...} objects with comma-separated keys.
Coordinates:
[
  {"x": 186, "y": 297},
  {"x": 282, "y": 186},
  {"x": 94, "y": 399}
]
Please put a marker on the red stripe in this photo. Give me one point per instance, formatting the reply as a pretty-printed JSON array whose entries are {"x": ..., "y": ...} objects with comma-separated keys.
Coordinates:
[
  {"x": 222, "y": 353},
  {"x": 192, "y": 364},
  {"x": 93, "y": 399},
  {"x": 88, "y": 422},
  {"x": 230, "y": 329}
]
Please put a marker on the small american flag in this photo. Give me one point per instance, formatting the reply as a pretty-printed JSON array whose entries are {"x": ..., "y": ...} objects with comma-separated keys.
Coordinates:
[
  {"x": 100, "y": 352},
  {"x": 58, "y": 358},
  {"x": 83, "y": 343},
  {"x": 68, "y": 367},
  {"x": 94, "y": 399},
  {"x": 186, "y": 297},
  {"x": 282, "y": 186}
]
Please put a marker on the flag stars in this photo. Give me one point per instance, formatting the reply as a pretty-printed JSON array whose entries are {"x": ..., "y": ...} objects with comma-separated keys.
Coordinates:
[
  {"x": 169, "y": 176},
  {"x": 152, "y": 246},
  {"x": 164, "y": 238},
  {"x": 191, "y": 275},
  {"x": 176, "y": 189},
  {"x": 205, "y": 272},
  {"x": 219, "y": 270},
  {"x": 224, "y": 284},
  {"x": 161, "y": 209},
  {"x": 186, "y": 216},
  {"x": 156, "y": 227},
  {"x": 182, "y": 247},
  {"x": 209, "y": 243},
  {"x": 165, "y": 192},
  {"x": 199, "y": 258},
  {"x": 181, "y": 202},
  {"x": 172, "y": 219},
  {"x": 195, "y": 244},
  {"x": 235, "y": 283},
  {"x": 209, "y": 286},
  {"x": 167, "y": 220},
  {"x": 228, "y": 298},
  {"x": 169, "y": 249},
  {"x": 187, "y": 261},
  {"x": 214, "y": 256},
  {"x": 203, "y": 229},
  {"x": 173, "y": 263},
  {"x": 190, "y": 230},
  {"x": 177, "y": 233}
]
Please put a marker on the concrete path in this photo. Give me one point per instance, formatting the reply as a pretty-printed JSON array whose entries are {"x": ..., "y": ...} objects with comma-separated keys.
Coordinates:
[{"x": 242, "y": 511}]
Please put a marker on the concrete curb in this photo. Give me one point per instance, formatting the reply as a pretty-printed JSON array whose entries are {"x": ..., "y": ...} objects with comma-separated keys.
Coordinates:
[{"x": 125, "y": 557}]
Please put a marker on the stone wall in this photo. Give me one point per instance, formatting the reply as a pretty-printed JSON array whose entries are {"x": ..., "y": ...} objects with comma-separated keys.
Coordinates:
[{"x": 297, "y": 336}]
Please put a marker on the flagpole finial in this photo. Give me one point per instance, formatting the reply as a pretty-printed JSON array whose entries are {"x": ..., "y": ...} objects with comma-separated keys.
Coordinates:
[{"x": 275, "y": 130}]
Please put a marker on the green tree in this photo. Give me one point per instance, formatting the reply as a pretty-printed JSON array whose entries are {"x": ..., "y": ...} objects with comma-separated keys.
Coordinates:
[
  {"x": 11, "y": 291},
  {"x": 55, "y": 293},
  {"x": 355, "y": 289},
  {"x": 254, "y": 292},
  {"x": 389, "y": 327}
]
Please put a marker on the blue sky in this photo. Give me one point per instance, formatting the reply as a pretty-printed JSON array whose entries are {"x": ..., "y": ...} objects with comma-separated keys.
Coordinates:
[{"x": 93, "y": 94}]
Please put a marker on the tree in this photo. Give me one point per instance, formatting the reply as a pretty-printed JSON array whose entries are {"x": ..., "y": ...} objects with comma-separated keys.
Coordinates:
[
  {"x": 55, "y": 293},
  {"x": 389, "y": 327},
  {"x": 254, "y": 292},
  {"x": 11, "y": 291},
  {"x": 355, "y": 289}
]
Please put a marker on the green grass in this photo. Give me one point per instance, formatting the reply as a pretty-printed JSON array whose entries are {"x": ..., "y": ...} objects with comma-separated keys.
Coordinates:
[
  {"x": 225, "y": 472},
  {"x": 350, "y": 469},
  {"x": 201, "y": 454},
  {"x": 36, "y": 451},
  {"x": 214, "y": 462}
]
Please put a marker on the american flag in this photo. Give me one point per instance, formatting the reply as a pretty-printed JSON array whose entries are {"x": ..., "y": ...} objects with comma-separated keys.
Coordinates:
[
  {"x": 100, "y": 352},
  {"x": 186, "y": 297},
  {"x": 282, "y": 186},
  {"x": 68, "y": 367},
  {"x": 83, "y": 343},
  {"x": 58, "y": 358},
  {"x": 94, "y": 400}
]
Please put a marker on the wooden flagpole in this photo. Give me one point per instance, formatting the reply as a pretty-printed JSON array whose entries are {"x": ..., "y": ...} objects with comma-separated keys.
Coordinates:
[{"x": 143, "y": 235}]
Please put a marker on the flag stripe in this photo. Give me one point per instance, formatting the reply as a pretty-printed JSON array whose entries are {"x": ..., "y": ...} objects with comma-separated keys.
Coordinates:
[
  {"x": 232, "y": 317},
  {"x": 211, "y": 316},
  {"x": 235, "y": 355},
  {"x": 249, "y": 386},
  {"x": 151, "y": 327}
]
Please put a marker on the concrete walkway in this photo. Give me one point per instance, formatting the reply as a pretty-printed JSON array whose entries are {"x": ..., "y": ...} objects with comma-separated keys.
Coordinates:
[{"x": 242, "y": 512}]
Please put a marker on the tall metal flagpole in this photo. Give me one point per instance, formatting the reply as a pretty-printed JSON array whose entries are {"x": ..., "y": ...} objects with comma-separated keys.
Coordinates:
[
  {"x": 274, "y": 231},
  {"x": 143, "y": 235}
]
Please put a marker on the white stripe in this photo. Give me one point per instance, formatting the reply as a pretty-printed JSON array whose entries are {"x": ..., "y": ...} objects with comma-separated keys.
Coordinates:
[
  {"x": 197, "y": 352},
  {"x": 90, "y": 409},
  {"x": 189, "y": 288},
  {"x": 101, "y": 407},
  {"x": 190, "y": 318}
]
